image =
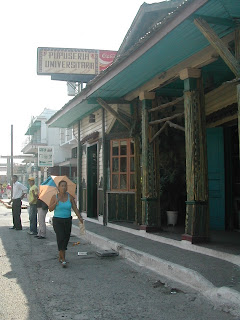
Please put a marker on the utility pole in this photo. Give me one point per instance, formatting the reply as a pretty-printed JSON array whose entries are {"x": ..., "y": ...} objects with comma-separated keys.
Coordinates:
[{"x": 11, "y": 161}]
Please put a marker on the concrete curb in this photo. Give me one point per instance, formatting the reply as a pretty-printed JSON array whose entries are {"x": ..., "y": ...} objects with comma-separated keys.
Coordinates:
[
  {"x": 223, "y": 298},
  {"x": 186, "y": 245}
]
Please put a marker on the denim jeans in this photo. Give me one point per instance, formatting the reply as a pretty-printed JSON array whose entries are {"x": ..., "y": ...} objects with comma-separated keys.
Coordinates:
[{"x": 33, "y": 218}]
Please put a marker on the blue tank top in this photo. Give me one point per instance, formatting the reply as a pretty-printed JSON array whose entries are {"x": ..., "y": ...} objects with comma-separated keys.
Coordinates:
[{"x": 63, "y": 209}]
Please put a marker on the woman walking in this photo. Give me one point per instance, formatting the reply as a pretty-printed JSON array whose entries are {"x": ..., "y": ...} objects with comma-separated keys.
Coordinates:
[{"x": 62, "y": 203}]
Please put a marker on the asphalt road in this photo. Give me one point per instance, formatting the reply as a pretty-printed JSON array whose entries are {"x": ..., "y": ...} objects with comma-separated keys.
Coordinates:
[{"x": 34, "y": 286}]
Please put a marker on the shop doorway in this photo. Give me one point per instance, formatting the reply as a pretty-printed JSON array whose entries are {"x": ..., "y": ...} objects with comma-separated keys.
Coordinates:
[
  {"x": 232, "y": 171},
  {"x": 216, "y": 178},
  {"x": 92, "y": 181}
]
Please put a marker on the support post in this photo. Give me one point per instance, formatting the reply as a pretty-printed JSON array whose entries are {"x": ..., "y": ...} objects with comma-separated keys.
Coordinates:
[
  {"x": 238, "y": 100},
  {"x": 8, "y": 170},
  {"x": 79, "y": 169},
  {"x": 197, "y": 212},
  {"x": 104, "y": 169},
  {"x": 137, "y": 166},
  {"x": 237, "y": 55},
  {"x": 136, "y": 132},
  {"x": 11, "y": 161},
  {"x": 149, "y": 199}
]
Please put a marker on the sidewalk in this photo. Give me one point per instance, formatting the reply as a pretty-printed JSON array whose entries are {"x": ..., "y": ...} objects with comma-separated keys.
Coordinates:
[{"x": 214, "y": 273}]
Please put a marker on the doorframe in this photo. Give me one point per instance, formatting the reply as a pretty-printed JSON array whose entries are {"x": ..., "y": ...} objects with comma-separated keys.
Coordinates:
[
  {"x": 222, "y": 180},
  {"x": 89, "y": 145}
]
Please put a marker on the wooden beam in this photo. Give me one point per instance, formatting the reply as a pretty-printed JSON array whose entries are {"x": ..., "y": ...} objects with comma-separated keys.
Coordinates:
[
  {"x": 218, "y": 45},
  {"x": 159, "y": 131},
  {"x": 198, "y": 60},
  {"x": 215, "y": 20},
  {"x": 166, "y": 105},
  {"x": 108, "y": 101},
  {"x": 113, "y": 112},
  {"x": 145, "y": 95},
  {"x": 222, "y": 121},
  {"x": 190, "y": 73},
  {"x": 177, "y": 115},
  {"x": 171, "y": 124},
  {"x": 175, "y": 126}
]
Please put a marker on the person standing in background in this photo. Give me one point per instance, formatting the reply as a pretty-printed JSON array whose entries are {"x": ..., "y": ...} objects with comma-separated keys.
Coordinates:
[
  {"x": 18, "y": 194},
  {"x": 42, "y": 210},
  {"x": 1, "y": 191},
  {"x": 8, "y": 190},
  {"x": 32, "y": 198}
]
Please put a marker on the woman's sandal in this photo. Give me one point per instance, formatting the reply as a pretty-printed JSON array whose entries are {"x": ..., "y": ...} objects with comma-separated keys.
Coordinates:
[{"x": 64, "y": 264}]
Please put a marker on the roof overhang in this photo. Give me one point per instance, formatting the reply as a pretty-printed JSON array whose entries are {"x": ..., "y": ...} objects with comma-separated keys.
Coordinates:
[
  {"x": 34, "y": 127},
  {"x": 171, "y": 41}
]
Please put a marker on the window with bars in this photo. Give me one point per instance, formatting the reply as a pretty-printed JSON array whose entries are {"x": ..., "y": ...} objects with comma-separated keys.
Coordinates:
[{"x": 122, "y": 165}]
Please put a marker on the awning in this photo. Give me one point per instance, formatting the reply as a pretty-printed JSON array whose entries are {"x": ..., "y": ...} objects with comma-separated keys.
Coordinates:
[
  {"x": 34, "y": 127},
  {"x": 169, "y": 43}
]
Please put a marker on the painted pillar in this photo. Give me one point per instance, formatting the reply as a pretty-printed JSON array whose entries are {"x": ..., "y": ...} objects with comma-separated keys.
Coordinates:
[
  {"x": 197, "y": 211},
  {"x": 237, "y": 55},
  {"x": 79, "y": 169},
  {"x": 238, "y": 100},
  {"x": 104, "y": 166},
  {"x": 137, "y": 165},
  {"x": 149, "y": 199}
]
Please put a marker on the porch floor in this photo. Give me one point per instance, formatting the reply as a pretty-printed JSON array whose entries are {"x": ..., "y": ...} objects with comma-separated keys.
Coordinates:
[{"x": 220, "y": 240}]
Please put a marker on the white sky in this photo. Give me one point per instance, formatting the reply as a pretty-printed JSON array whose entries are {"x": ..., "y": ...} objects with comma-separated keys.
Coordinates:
[{"x": 26, "y": 25}]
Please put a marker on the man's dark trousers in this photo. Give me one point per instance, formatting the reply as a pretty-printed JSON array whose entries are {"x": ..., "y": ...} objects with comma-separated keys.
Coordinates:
[{"x": 16, "y": 212}]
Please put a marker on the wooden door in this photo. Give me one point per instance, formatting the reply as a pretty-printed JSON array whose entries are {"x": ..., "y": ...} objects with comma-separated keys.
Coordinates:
[
  {"x": 92, "y": 181},
  {"x": 216, "y": 178}
]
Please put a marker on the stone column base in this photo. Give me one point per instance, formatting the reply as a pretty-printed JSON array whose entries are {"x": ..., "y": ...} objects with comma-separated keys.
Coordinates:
[
  {"x": 195, "y": 239},
  {"x": 150, "y": 228}
]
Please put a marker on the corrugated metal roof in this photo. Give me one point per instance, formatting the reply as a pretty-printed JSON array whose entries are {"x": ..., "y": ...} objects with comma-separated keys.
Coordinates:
[
  {"x": 175, "y": 45},
  {"x": 181, "y": 43},
  {"x": 148, "y": 15}
]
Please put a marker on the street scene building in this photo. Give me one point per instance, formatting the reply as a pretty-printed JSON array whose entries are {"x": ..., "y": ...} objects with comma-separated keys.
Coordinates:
[
  {"x": 61, "y": 141},
  {"x": 157, "y": 130},
  {"x": 146, "y": 154}
]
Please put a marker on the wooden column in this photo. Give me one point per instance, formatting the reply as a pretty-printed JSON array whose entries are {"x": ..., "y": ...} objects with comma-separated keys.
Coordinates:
[
  {"x": 149, "y": 201},
  {"x": 237, "y": 55},
  {"x": 79, "y": 169},
  {"x": 137, "y": 165},
  {"x": 104, "y": 168},
  {"x": 197, "y": 212},
  {"x": 238, "y": 99}
]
